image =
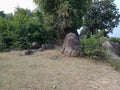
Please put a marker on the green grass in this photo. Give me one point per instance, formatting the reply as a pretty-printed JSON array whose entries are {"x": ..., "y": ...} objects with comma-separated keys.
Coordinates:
[{"x": 116, "y": 66}]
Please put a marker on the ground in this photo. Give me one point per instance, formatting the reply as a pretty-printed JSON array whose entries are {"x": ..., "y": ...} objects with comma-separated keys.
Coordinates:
[{"x": 50, "y": 70}]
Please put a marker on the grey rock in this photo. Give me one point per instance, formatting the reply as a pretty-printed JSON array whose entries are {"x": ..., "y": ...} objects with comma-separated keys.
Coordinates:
[
  {"x": 35, "y": 45},
  {"x": 47, "y": 46},
  {"x": 26, "y": 52},
  {"x": 112, "y": 50},
  {"x": 71, "y": 45},
  {"x": 40, "y": 49}
]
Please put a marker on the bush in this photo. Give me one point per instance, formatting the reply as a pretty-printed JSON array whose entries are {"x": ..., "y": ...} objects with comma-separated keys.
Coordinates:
[
  {"x": 92, "y": 47},
  {"x": 116, "y": 40}
]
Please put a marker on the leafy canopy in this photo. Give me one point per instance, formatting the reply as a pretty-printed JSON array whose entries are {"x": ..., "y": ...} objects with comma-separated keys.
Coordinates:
[
  {"x": 63, "y": 15},
  {"x": 102, "y": 14}
]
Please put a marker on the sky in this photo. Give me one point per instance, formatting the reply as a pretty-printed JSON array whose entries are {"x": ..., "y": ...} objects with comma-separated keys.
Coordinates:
[
  {"x": 116, "y": 31},
  {"x": 8, "y": 6}
]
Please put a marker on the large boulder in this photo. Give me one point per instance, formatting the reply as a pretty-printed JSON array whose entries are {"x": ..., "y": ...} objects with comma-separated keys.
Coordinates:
[
  {"x": 113, "y": 50},
  {"x": 71, "y": 45},
  {"x": 116, "y": 48}
]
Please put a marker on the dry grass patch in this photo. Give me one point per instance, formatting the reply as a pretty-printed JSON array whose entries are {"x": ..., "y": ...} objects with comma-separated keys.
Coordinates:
[{"x": 44, "y": 70}]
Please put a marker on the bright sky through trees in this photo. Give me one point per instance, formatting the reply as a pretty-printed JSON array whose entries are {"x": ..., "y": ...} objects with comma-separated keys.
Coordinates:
[{"x": 9, "y": 6}]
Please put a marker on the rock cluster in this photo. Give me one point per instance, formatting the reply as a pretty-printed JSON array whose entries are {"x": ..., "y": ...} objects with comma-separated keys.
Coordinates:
[{"x": 35, "y": 48}]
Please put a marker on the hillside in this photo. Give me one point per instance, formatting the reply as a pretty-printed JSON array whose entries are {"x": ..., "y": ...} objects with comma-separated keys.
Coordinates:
[{"x": 51, "y": 70}]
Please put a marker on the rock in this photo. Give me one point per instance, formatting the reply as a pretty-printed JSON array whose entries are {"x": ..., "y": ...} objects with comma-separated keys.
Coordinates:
[
  {"x": 116, "y": 48},
  {"x": 35, "y": 45},
  {"x": 47, "y": 46},
  {"x": 29, "y": 52},
  {"x": 26, "y": 52},
  {"x": 71, "y": 45},
  {"x": 40, "y": 49},
  {"x": 113, "y": 50},
  {"x": 54, "y": 87},
  {"x": 75, "y": 52}
]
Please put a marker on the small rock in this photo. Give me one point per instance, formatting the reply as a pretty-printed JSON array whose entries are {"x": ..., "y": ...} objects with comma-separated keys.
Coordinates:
[
  {"x": 54, "y": 87},
  {"x": 40, "y": 49},
  {"x": 26, "y": 52},
  {"x": 47, "y": 46},
  {"x": 34, "y": 45}
]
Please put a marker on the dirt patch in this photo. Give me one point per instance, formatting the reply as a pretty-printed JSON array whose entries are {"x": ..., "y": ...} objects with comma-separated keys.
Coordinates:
[{"x": 49, "y": 69}]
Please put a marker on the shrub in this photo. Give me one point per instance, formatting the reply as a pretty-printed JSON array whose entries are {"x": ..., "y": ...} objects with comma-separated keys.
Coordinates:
[
  {"x": 116, "y": 40},
  {"x": 92, "y": 47}
]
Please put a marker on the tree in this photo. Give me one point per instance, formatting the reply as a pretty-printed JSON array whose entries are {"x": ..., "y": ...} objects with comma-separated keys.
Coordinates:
[
  {"x": 102, "y": 15},
  {"x": 27, "y": 26},
  {"x": 64, "y": 16},
  {"x": 19, "y": 30},
  {"x": 6, "y": 31},
  {"x": 2, "y": 14}
]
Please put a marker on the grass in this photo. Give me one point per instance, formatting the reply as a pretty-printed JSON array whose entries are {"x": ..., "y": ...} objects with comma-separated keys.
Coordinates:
[
  {"x": 46, "y": 69},
  {"x": 115, "y": 65}
]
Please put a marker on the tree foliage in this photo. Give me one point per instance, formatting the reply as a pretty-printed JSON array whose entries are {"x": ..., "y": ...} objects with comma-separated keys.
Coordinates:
[
  {"x": 63, "y": 15},
  {"x": 2, "y": 14},
  {"x": 19, "y": 30},
  {"x": 102, "y": 14},
  {"x": 55, "y": 18}
]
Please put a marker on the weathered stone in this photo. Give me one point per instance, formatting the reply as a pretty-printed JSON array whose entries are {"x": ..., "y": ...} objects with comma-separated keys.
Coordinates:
[
  {"x": 35, "y": 45},
  {"x": 116, "y": 48},
  {"x": 113, "y": 50},
  {"x": 26, "y": 52},
  {"x": 71, "y": 45},
  {"x": 48, "y": 46},
  {"x": 75, "y": 52},
  {"x": 40, "y": 49}
]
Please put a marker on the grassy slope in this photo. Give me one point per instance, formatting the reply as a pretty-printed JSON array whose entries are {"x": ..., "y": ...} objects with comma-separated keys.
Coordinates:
[{"x": 46, "y": 69}]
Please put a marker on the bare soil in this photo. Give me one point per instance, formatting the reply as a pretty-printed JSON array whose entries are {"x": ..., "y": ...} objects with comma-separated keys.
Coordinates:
[{"x": 50, "y": 70}]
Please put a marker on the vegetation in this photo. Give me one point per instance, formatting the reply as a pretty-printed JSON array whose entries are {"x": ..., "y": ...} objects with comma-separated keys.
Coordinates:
[
  {"x": 116, "y": 40},
  {"x": 102, "y": 14},
  {"x": 48, "y": 23},
  {"x": 99, "y": 21},
  {"x": 92, "y": 47},
  {"x": 115, "y": 65},
  {"x": 18, "y": 31},
  {"x": 53, "y": 19},
  {"x": 63, "y": 16}
]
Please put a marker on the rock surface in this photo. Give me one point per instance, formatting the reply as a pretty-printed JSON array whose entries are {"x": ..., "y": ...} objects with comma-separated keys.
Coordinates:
[
  {"x": 35, "y": 45},
  {"x": 26, "y": 52},
  {"x": 116, "y": 48},
  {"x": 113, "y": 50},
  {"x": 48, "y": 46},
  {"x": 71, "y": 45}
]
